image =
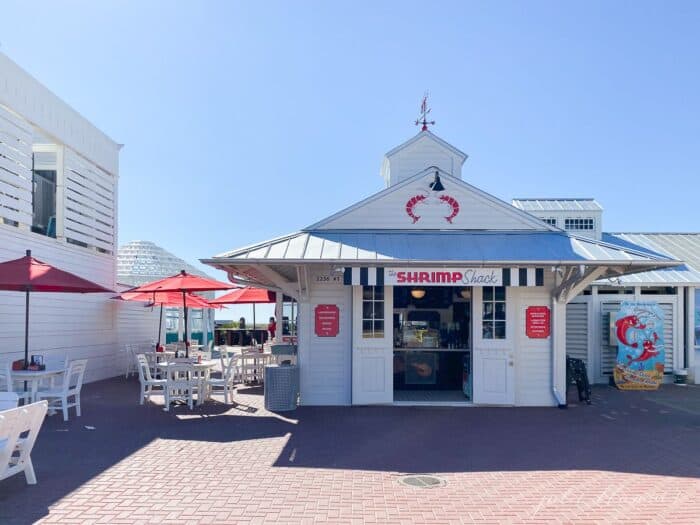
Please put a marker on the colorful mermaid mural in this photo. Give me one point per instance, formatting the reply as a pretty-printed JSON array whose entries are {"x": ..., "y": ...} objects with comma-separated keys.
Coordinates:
[{"x": 639, "y": 327}]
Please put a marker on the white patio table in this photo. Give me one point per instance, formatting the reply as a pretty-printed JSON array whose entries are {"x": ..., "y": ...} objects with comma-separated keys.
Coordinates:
[
  {"x": 201, "y": 370},
  {"x": 34, "y": 377}
]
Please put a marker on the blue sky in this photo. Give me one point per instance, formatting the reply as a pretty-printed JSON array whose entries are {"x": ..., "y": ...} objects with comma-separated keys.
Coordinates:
[{"x": 247, "y": 120}]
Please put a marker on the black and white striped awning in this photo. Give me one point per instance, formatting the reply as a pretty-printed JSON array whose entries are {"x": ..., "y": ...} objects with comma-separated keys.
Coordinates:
[
  {"x": 370, "y": 276},
  {"x": 364, "y": 276}
]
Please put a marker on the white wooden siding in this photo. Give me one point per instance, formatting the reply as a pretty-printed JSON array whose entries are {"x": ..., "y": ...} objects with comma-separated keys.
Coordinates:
[
  {"x": 476, "y": 212},
  {"x": 325, "y": 362},
  {"x": 420, "y": 155},
  {"x": 37, "y": 104},
  {"x": 89, "y": 203},
  {"x": 15, "y": 168},
  {"x": 577, "y": 331},
  {"x": 561, "y": 216},
  {"x": 533, "y": 357},
  {"x": 70, "y": 326}
]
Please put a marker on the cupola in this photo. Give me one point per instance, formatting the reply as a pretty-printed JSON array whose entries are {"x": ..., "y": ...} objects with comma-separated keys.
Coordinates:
[{"x": 422, "y": 151}]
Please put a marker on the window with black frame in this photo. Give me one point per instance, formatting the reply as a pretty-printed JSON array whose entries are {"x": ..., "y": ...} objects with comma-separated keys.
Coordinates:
[
  {"x": 372, "y": 312},
  {"x": 494, "y": 312}
]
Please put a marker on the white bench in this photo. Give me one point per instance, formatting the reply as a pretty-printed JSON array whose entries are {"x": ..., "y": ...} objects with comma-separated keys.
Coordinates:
[{"x": 15, "y": 451}]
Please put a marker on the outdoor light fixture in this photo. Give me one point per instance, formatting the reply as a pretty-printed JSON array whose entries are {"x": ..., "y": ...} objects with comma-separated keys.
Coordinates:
[
  {"x": 418, "y": 293},
  {"x": 466, "y": 293},
  {"x": 436, "y": 185}
]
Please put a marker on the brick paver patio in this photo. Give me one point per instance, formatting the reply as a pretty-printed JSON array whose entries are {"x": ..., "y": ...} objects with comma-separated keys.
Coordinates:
[{"x": 630, "y": 458}]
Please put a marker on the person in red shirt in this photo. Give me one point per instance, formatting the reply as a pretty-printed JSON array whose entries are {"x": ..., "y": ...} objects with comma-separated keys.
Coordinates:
[{"x": 272, "y": 327}]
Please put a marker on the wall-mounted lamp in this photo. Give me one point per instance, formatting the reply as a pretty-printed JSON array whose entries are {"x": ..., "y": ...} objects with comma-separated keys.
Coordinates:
[
  {"x": 418, "y": 293},
  {"x": 436, "y": 185}
]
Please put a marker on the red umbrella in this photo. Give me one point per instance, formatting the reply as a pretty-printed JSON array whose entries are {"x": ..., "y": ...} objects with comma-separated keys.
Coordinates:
[
  {"x": 183, "y": 283},
  {"x": 28, "y": 274},
  {"x": 166, "y": 299},
  {"x": 247, "y": 295}
]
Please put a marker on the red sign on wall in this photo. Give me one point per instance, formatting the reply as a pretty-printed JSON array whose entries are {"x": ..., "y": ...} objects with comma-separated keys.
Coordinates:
[
  {"x": 537, "y": 322},
  {"x": 327, "y": 320}
]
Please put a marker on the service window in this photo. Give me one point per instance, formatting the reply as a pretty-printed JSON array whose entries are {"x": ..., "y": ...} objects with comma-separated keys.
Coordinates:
[
  {"x": 494, "y": 312},
  {"x": 372, "y": 312}
]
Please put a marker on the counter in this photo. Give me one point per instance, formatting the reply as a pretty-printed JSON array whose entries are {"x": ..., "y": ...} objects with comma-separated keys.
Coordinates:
[{"x": 430, "y": 369}]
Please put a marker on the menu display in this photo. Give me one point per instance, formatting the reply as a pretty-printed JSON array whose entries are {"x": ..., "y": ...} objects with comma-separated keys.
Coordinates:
[
  {"x": 537, "y": 322},
  {"x": 327, "y": 320}
]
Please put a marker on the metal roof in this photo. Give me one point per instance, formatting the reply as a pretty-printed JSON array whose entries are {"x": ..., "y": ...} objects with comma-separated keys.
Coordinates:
[
  {"x": 583, "y": 204},
  {"x": 387, "y": 246},
  {"x": 681, "y": 246},
  {"x": 427, "y": 134}
]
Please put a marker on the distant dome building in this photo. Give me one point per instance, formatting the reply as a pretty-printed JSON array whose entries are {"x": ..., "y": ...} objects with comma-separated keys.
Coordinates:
[{"x": 140, "y": 262}]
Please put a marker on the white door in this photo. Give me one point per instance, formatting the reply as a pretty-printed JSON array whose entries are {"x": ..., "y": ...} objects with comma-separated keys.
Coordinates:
[
  {"x": 372, "y": 348},
  {"x": 494, "y": 377},
  {"x": 494, "y": 360}
]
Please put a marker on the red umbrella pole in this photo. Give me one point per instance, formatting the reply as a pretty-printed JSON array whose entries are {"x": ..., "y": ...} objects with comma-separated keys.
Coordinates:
[
  {"x": 184, "y": 335},
  {"x": 26, "y": 332},
  {"x": 160, "y": 326}
]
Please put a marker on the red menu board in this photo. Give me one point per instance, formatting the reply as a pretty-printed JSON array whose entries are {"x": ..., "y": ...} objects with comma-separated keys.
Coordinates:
[
  {"x": 327, "y": 320},
  {"x": 537, "y": 322}
]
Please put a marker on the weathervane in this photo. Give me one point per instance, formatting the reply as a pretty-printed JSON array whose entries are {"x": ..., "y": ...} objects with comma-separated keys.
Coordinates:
[{"x": 423, "y": 118}]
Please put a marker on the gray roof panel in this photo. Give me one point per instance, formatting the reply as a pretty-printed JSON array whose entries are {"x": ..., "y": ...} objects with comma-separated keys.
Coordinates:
[
  {"x": 681, "y": 246},
  {"x": 540, "y": 205},
  {"x": 474, "y": 246}
]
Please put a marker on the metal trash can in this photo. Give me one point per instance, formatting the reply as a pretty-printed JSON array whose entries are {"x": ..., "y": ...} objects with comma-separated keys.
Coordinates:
[{"x": 281, "y": 387}]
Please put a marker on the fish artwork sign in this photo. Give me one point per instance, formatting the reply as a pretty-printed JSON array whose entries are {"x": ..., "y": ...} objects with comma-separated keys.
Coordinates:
[{"x": 639, "y": 329}]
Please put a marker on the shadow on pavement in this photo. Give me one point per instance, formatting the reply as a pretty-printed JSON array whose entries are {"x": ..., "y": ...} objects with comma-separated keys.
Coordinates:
[{"x": 633, "y": 432}]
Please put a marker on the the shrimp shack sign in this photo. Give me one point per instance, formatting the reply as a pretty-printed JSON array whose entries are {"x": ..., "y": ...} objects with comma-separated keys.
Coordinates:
[{"x": 444, "y": 276}]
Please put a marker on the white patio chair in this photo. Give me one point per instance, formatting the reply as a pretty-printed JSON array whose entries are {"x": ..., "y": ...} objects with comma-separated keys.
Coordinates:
[
  {"x": 8, "y": 400},
  {"x": 15, "y": 451},
  {"x": 180, "y": 384},
  {"x": 131, "y": 364},
  {"x": 72, "y": 382},
  {"x": 152, "y": 360},
  {"x": 252, "y": 366},
  {"x": 8, "y": 384},
  {"x": 149, "y": 386},
  {"x": 228, "y": 377}
]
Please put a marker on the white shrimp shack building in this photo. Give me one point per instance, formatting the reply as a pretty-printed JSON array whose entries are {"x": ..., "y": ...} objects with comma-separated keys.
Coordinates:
[{"x": 432, "y": 291}]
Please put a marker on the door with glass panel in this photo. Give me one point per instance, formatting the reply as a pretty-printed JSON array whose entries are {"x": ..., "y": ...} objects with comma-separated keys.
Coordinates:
[
  {"x": 372, "y": 348},
  {"x": 494, "y": 370}
]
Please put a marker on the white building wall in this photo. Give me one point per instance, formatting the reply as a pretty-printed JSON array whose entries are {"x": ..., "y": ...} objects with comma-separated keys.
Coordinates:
[
  {"x": 325, "y": 362},
  {"x": 62, "y": 326},
  {"x": 601, "y": 353},
  {"x": 477, "y": 211},
  {"x": 533, "y": 357},
  {"x": 418, "y": 156},
  {"x": 561, "y": 216},
  {"x": 40, "y": 107},
  {"x": 69, "y": 326}
]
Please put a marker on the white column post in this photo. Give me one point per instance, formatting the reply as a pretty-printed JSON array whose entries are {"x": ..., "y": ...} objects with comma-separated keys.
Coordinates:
[
  {"x": 559, "y": 351},
  {"x": 278, "y": 317},
  {"x": 679, "y": 352},
  {"x": 691, "y": 365}
]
